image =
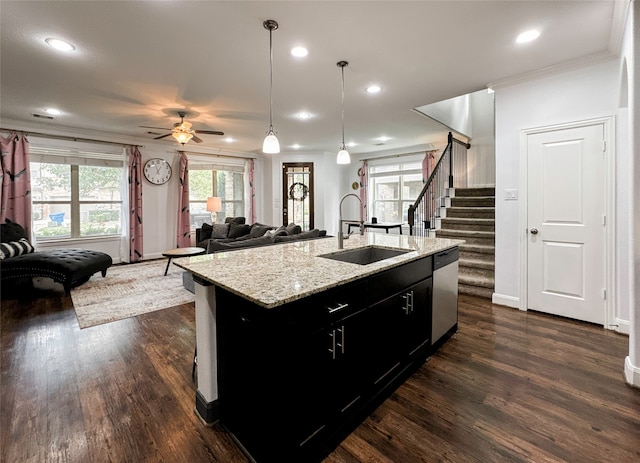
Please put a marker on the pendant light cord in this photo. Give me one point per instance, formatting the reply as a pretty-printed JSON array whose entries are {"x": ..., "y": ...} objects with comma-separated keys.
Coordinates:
[
  {"x": 342, "y": 107},
  {"x": 271, "y": 79}
]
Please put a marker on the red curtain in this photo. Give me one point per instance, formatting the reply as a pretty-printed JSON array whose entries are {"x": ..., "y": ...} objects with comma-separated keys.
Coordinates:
[
  {"x": 252, "y": 193},
  {"x": 135, "y": 204},
  {"x": 15, "y": 194},
  {"x": 183, "y": 239},
  {"x": 364, "y": 185}
]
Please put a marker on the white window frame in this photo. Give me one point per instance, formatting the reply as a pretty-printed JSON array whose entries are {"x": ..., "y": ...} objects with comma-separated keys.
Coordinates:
[
  {"x": 48, "y": 151},
  {"x": 399, "y": 160}
]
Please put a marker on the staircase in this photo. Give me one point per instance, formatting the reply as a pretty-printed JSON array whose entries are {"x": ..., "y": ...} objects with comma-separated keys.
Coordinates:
[{"x": 471, "y": 217}]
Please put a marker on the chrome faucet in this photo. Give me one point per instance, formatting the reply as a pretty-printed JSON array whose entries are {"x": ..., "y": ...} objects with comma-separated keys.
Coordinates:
[{"x": 341, "y": 236}]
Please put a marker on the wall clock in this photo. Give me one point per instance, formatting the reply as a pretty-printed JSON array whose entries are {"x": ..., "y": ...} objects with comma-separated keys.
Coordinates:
[{"x": 157, "y": 171}]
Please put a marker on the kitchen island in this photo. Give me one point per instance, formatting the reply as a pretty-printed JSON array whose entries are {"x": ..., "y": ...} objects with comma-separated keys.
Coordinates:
[{"x": 295, "y": 348}]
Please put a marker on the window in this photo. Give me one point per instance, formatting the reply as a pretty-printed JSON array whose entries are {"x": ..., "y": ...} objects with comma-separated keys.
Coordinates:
[
  {"x": 75, "y": 196},
  {"x": 225, "y": 184},
  {"x": 393, "y": 187}
]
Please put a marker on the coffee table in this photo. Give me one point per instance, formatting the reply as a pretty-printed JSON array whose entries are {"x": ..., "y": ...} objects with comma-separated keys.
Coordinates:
[{"x": 181, "y": 252}]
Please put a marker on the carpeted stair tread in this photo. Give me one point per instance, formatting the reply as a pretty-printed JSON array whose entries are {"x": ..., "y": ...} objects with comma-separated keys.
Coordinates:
[
  {"x": 471, "y": 212},
  {"x": 478, "y": 291},
  {"x": 466, "y": 192},
  {"x": 468, "y": 223},
  {"x": 484, "y": 282},
  {"x": 465, "y": 233},
  {"x": 477, "y": 263}
]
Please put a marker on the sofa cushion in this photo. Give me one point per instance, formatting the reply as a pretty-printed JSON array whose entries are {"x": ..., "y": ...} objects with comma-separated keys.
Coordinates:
[
  {"x": 237, "y": 220},
  {"x": 293, "y": 229},
  {"x": 315, "y": 233},
  {"x": 12, "y": 231},
  {"x": 205, "y": 231},
  {"x": 238, "y": 230},
  {"x": 216, "y": 246},
  {"x": 220, "y": 230},
  {"x": 258, "y": 230},
  {"x": 15, "y": 248}
]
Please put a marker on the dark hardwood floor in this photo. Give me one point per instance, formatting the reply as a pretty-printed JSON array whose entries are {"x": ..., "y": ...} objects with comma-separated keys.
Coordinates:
[{"x": 510, "y": 386}]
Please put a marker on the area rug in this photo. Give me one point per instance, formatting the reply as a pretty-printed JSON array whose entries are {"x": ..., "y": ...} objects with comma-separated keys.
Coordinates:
[{"x": 129, "y": 290}]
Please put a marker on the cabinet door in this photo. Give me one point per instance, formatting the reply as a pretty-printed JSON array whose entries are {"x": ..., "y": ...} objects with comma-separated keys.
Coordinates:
[{"x": 417, "y": 317}]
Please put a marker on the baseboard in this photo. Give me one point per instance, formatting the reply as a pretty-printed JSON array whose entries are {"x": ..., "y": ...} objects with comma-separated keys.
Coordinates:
[
  {"x": 208, "y": 412},
  {"x": 631, "y": 373},
  {"x": 622, "y": 326},
  {"x": 509, "y": 301}
]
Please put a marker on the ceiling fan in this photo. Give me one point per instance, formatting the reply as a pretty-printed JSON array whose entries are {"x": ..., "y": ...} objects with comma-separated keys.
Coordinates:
[{"x": 183, "y": 132}]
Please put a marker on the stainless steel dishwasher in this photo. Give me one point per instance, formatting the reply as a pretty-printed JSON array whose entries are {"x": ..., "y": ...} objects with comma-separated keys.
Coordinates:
[{"x": 444, "y": 316}]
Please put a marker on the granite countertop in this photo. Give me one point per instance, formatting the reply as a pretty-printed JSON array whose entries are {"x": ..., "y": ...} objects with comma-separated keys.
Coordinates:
[{"x": 274, "y": 275}]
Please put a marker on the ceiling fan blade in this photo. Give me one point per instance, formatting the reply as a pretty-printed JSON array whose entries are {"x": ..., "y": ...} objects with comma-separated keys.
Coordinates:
[
  {"x": 147, "y": 127},
  {"x": 162, "y": 136},
  {"x": 197, "y": 139},
  {"x": 210, "y": 132}
]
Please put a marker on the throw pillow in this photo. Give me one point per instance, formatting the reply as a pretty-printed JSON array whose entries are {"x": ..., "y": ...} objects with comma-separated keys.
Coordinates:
[
  {"x": 220, "y": 230},
  {"x": 258, "y": 230},
  {"x": 15, "y": 248},
  {"x": 315, "y": 233},
  {"x": 237, "y": 230},
  {"x": 205, "y": 231},
  {"x": 293, "y": 229},
  {"x": 238, "y": 220},
  {"x": 12, "y": 231}
]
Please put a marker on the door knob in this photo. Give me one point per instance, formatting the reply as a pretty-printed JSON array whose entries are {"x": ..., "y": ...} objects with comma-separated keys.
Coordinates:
[{"x": 534, "y": 231}]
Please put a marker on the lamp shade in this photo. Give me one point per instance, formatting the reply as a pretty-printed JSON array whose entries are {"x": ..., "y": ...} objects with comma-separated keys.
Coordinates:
[
  {"x": 343, "y": 156},
  {"x": 182, "y": 137},
  {"x": 271, "y": 144},
  {"x": 214, "y": 204}
]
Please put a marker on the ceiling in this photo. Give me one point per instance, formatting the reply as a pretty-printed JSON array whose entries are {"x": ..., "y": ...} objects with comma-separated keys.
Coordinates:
[{"x": 139, "y": 62}]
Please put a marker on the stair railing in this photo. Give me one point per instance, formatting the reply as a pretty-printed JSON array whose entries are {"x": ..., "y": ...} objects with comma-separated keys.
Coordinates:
[{"x": 426, "y": 209}]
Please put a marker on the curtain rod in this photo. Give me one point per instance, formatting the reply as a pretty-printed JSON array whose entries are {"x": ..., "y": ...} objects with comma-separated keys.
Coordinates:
[
  {"x": 216, "y": 155},
  {"x": 67, "y": 137},
  {"x": 397, "y": 155}
]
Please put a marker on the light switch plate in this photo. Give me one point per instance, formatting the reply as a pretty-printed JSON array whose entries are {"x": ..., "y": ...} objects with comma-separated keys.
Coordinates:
[{"x": 510, "y": 195}]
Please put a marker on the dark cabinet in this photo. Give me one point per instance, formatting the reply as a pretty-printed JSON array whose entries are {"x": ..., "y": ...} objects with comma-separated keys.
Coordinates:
[{"x": 293, "y": 378}]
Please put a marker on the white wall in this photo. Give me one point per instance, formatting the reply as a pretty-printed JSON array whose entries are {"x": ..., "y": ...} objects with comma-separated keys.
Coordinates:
[
  {"x": 629, "y": 56},
  {"x": 481, "y": 159},
  {"x": 575, "y": 95}
]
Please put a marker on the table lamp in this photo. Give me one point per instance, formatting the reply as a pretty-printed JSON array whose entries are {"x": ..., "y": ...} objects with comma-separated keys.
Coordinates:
[{"x": 214, "y": 204}]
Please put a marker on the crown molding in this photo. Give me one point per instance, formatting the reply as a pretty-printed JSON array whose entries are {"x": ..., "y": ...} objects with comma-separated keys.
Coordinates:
[{"x": 596, "y": 58}]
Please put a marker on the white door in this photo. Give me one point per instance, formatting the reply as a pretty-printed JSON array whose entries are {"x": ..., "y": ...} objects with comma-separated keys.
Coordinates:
[{"x": 565, "y": 222}]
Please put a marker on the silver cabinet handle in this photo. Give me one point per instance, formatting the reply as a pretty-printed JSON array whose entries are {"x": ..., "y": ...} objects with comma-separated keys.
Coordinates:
[
  {"x": 332, "y": 349},
  {"x": 337, "y": 307},
  {"x": 534, "y": 231}
]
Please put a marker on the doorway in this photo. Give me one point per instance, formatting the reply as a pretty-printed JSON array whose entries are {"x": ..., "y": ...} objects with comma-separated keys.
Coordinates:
[
  {"x": 297, "y": 194},
  {"x": 565, "y": 269}
]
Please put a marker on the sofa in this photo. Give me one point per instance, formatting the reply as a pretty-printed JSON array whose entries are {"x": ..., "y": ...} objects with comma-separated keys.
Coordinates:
[
  {"x": 236, "y": 234},
  {"x": 20, "y": 262}
]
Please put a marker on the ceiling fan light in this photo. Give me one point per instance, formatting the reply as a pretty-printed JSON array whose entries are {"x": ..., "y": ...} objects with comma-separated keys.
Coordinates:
[
  {"x": 271, "y": 144},
  {"x": 182, "y": 137},
  {"x": 343, "y": 156}
]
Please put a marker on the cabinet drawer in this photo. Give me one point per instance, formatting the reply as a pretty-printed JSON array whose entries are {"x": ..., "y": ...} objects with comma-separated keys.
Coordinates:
[{"x": 395, "y": 280}]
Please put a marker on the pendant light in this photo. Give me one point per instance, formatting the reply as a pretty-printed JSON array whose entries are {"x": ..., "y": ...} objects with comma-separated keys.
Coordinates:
[
  {"x": 343, "y": 154},
  {"x": 271, "y": 143}
]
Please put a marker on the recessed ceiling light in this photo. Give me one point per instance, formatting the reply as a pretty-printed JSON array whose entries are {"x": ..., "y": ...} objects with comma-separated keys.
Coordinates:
[
  {"x": 384, "y": 138},
  {"x": 299, "y": 52},
  {"x": 528, "y": 36},
  {"x": 53, "y": 111},
  {"x": 229, "y": 140},
  {"x": 351, "y": 144},
  {"x": 304, "y": 115},
  {"x": 60, "y": 44},
  {"x": 373, "y": 89},
  {"x": 295, "y": 147}
]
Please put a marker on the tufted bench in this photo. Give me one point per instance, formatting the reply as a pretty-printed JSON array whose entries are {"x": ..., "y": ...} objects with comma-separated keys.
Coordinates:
[{"x": 71, "y": 267}]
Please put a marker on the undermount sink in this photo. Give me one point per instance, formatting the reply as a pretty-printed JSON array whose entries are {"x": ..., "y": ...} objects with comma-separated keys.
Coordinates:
[{"x": 364, "y": 256}]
